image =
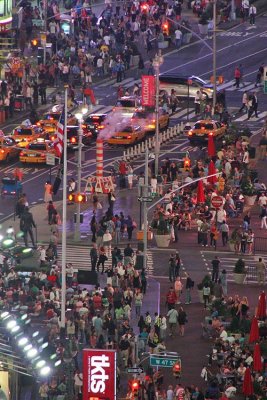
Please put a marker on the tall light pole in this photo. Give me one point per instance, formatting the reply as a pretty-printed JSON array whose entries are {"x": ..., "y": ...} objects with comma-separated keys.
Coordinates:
[
  {"x": 158, "y": 60},
  {"x": 64, "y": 214},
  {"x": 79, "y": 117},
  {"x": 214, "y": 57}
]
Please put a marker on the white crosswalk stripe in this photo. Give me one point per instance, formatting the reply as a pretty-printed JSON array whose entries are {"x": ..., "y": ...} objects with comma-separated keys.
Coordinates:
[
  {"x": 228, "y": 263},
  {"x": 79, "y": 257},
  {"x": 245, "y": 117}
]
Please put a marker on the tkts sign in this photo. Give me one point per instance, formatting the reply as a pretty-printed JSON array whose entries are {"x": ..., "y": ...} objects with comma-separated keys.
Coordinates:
[
  {"x": 148, "y": 90},
  {"x": 99, "y": 374}
]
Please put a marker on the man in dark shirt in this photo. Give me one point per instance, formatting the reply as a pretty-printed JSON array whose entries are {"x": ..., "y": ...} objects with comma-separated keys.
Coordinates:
[
  {"x": 215, "y": 269},
  {"x": 26, "y": 225}
]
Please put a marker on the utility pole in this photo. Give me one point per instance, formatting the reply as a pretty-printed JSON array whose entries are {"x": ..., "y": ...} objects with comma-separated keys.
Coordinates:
[
  {"x": 79, "y": 117},
  {"x": 158, "y": 60},
  {"x": 145, "y": 194},
  {"x": 64, "y": 215},
  {"x": 214, "y": 57},
  {"x": 45, "y": 28}
]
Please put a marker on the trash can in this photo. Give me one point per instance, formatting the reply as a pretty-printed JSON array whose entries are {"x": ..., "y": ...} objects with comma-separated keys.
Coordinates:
[
  {"x": 19, "y": 103},
  {"x": 81, "y": 218}
]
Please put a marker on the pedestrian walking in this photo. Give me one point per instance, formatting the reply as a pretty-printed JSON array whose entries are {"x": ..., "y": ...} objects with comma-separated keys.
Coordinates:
[
  {"x": 215, "y": 263},
  {"x": 244, "y": 102},
  {"x": 26, "y": 225},
  {"x": 171, "y": 298},
  {"x": 189, "y": 285},
  {"x": 225, "y": 232},
  {"x": 48, "y": 188},
  {"x": 263, "y": 217},
  {"x": 261, "y": 268},
  {"x": 252, "y": 14},
  {"x": 182, "y": 319},
  {"x": 223, "y": 280},
  {"x": 206, "y": 294},
  {"x": 237, "y": 75},
  {"x": 172, "y": 265},
  {"x": 178, "y": 287},
  {"x": 253, "y": 106},
  {"x": 197, "y": 102},
  {"x": 172, "y": 316}
]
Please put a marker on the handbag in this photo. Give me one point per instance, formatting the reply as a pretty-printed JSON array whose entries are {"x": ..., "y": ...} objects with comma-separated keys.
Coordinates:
[{"x": 99, "y": 206}]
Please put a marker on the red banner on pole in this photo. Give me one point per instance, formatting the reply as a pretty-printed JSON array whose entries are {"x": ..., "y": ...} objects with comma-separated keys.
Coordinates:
[
  {"x": 148, "y": 90},
  {"x": 99, "y": 374}
]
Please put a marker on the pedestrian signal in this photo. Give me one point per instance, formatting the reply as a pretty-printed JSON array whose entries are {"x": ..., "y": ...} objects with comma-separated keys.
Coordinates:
[{"x": 176, "y": 369}]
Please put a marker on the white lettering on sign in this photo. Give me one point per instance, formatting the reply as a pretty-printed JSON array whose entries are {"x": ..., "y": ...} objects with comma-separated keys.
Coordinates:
[
  {"x": 145, "y": 91},
  {"x": 98, "y": 374}
]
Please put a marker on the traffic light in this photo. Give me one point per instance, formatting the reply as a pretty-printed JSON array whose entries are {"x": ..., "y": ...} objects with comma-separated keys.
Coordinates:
[
  {"x": 165, "y": 28},
  {"x": 135, "y": 387},
  {"x": 80, "y": 198},
  {"x": 187, "y": 163},
  {"x": 34, "y": 43},
  {"x": 77, "y": 198},
  {"x": 177, "y": 369}
]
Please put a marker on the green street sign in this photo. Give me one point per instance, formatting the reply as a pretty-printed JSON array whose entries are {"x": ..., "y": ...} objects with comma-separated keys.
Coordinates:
[
  {"x": 162, "y": 361},
  {"x": 265, "y": 87}
]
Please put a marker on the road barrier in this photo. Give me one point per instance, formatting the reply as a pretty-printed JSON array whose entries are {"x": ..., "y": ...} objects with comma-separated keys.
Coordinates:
[{"x": 138, "y": 149}]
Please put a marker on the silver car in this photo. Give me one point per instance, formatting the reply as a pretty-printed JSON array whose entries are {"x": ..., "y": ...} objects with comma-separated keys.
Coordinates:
[{"x": 184, "y": 85}]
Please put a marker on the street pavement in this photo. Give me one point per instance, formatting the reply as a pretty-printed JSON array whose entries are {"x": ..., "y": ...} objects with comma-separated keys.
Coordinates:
[{"x": 249, "y": 49}]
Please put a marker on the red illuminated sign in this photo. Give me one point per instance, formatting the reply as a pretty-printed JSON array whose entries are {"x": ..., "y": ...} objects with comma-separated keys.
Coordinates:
[
  {"x": 148, "y": 90},
  {"x": 99, "y": 374}
]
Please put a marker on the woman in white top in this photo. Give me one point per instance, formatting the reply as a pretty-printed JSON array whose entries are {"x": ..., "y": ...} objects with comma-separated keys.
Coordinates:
[{"x": 130, "y": 176}]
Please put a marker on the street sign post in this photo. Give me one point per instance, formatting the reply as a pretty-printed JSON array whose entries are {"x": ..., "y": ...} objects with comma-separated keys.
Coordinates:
[
  {"x": 135, "y": 370},
  {"x": 163, "y": 360},
  {"x": 50, "y": 159},
  {"x": 265, "y": 80},
  {"x": 217, "y": 201},
  {"x": 145, "y": 199}
]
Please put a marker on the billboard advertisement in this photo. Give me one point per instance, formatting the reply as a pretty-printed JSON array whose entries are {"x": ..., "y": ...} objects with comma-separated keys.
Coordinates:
[
  {"x": 148, "y": 90},
  {"x": 5, "y": 15},
  {"x": 99, "y": 374}
]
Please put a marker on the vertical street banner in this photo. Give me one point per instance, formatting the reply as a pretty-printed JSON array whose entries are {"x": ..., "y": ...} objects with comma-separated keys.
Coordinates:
[
  {"x": 148, "y": 90},
  {"x": 99, "y": 374}
]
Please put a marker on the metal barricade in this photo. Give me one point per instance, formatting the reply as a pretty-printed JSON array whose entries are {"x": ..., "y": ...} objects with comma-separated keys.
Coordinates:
[
  {"x": 260, "y": 245},
  {"x": 251, "y": 274}
]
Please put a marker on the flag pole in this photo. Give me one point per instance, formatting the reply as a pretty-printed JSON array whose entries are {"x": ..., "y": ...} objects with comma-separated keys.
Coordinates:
[{"x": 64, "y": 214}]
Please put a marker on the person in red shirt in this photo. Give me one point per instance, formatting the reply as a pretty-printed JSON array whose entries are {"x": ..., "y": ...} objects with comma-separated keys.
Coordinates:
[
  {"x": 237, "y": 76},
  {"x": 171, "y": 298}
]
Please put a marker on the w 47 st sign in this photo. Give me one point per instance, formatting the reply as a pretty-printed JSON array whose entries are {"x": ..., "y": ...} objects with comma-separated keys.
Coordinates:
[{"x": 163, "y": 360}]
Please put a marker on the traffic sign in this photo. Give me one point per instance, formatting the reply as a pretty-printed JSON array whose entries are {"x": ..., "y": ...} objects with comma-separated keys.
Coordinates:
[
  {"x": 163, "y": 360},
  {"x": 145, "y": 199},
  {"x": 50, "y": 159},
  {"x": 135, "y": 370},
  {"x": 217, "y": 201}
]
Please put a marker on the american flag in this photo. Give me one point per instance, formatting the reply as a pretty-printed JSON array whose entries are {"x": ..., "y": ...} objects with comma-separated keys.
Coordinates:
[{"x": 59, "y": 143}]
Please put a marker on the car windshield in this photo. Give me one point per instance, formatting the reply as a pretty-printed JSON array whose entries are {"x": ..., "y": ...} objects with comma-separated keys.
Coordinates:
[
  {"x": 23, "y": 132},
  {"x": 201, "y": 125},
  {"x": 9, "y": 142},
  {"x": 51, "y": 116},
  {"x": 141, "y": 114},
  {"x": 128, "y": 129},
  {"x": 126, "y": 103},
  {"x": 37, "y": 146},
  {"x": 72, "y": 131}
]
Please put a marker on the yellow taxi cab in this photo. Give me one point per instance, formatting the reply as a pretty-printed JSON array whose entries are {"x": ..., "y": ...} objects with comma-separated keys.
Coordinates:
[
  {"x": 127, "y": 105},
  {"x": 23, "y": 135},
  {"x": 36, "y": 152},
  {"x": 147, "y": 119},
  {"x": 128, "y": 135},
  {"x": 202, "y": 129},
  {"x": 8, "y": 148},
  {"x": 50, "y": 120}
]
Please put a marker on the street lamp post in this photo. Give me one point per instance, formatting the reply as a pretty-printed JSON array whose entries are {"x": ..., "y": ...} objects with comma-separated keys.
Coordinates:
[
  {"x": 158, "y": 60},
  {"x": 214, "y": 57},
  {"x": 79, "y": 117}
]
